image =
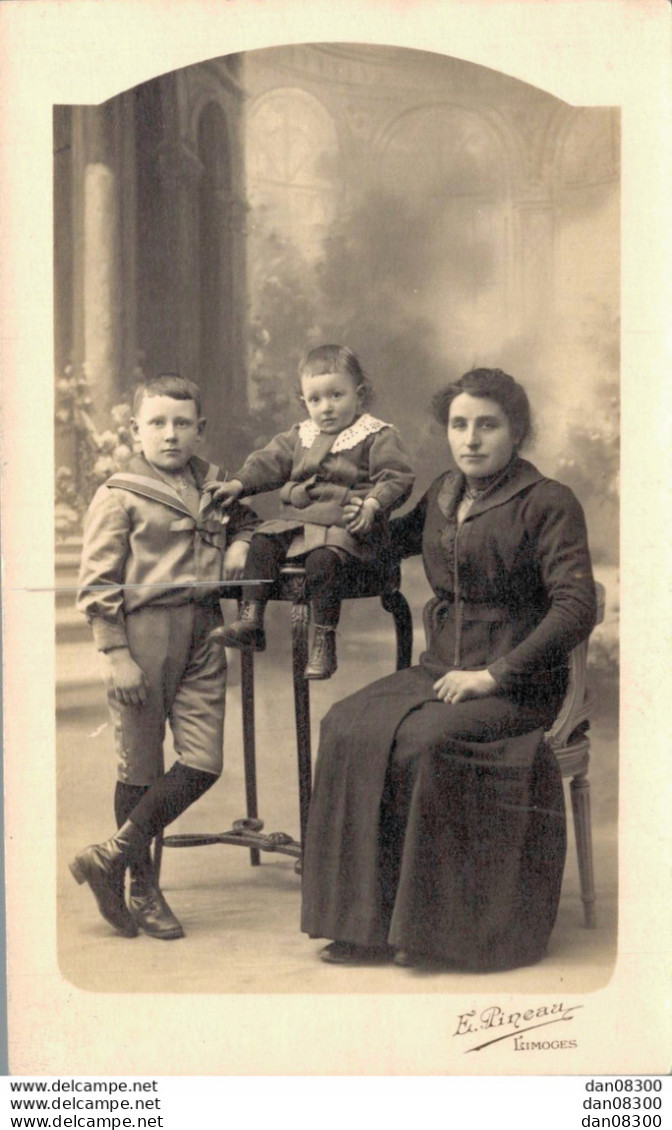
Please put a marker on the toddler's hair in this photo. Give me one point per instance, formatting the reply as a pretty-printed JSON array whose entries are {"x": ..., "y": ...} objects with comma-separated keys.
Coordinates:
[
  {"x": 491, "y": 384},
  {"x": 335, "y": 359},
  {"x": 167, "y": 384}
]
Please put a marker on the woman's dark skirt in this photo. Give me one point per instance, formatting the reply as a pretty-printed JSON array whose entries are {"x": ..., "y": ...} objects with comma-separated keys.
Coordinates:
[{"x": 437, "y": 829}]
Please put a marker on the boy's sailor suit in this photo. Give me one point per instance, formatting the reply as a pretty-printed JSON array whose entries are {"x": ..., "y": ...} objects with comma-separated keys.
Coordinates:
[{"x": 155, "y": 550}]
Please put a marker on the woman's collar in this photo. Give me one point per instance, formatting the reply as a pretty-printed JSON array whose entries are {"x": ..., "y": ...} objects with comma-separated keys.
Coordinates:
[{"x": 515, "y": 477}]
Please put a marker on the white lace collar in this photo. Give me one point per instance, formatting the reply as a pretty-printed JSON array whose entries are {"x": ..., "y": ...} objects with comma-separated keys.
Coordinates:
[{"x": 364, "y": 426}]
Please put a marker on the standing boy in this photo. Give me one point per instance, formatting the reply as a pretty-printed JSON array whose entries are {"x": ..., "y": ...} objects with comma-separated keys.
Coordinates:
[{"x": 148, "y": 584}]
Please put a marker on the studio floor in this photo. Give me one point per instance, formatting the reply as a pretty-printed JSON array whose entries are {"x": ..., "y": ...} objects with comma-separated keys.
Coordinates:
[{"x": 242, "y": 922}]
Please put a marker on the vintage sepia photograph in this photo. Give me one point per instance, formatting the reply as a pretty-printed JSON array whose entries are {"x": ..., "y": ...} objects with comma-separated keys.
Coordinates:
[
  {"x": 336, "y": 711},
  {"x": 228, "y": 223}
]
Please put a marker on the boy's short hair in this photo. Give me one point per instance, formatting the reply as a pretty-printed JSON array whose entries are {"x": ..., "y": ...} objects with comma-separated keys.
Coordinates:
[{"x": 167, "y": 384}]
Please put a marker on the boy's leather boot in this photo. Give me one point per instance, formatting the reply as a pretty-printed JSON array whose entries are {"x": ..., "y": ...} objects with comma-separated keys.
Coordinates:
[
  {"x": 146, "y": 903},
  {"x": 247, "y": 632},
  {"x": 103, "y": 867},
  {"x": 322, "y": 662}
]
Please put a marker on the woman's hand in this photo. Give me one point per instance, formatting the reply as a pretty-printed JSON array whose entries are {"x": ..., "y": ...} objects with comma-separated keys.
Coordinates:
[
  {"x": 455, "y": 686},
  {"x": 359, "y": 515},
  {"x": 223, "y": 494},
  {"x": 234, "y": 560},
  {"x": 129, "y": 680}
]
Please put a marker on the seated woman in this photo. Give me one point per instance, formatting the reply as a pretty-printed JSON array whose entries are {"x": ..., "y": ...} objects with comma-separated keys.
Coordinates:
[{"x": 437, "y": 823}]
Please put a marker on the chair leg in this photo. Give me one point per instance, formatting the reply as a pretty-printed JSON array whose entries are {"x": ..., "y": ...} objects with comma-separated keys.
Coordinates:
[
  {"x": 397, "y": 605},
  {"x": 580, "y": 794},
  {"x": 300, "y": 621},
  {"x": 249, "y": 750}
]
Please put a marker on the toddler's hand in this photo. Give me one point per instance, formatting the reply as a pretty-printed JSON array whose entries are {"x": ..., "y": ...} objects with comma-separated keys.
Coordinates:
[
  {"x": 223, "y": 494},
  {"x": 234, "y": 560},
  {"x": 128, "y": 679},
  {"x": 359, "y": 516},
  {"x": 455, "y": 686}
]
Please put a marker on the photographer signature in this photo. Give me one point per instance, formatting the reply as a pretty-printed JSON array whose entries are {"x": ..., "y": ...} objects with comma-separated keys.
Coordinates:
[{"x": 507, "y": 1024}]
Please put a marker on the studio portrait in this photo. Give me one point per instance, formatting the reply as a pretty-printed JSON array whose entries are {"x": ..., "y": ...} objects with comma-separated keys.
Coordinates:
[{"x": 336, "y": 523}]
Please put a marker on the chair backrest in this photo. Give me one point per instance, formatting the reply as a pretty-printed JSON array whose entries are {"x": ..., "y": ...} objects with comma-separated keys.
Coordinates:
[{"x": 575, "y": 708}]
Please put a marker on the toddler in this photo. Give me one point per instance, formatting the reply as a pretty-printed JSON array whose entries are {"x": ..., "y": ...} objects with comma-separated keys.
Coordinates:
[{"x": 341, "y": 472}]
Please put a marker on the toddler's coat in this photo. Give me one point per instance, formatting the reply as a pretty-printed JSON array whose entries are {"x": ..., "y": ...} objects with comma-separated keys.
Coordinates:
[{"x": 320, "y": 473}]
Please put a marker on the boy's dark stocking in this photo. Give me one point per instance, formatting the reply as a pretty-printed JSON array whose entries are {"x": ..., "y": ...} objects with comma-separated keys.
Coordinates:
[
  {"x": 125, "y": 799},
  {"x": 165, "y": 800}
]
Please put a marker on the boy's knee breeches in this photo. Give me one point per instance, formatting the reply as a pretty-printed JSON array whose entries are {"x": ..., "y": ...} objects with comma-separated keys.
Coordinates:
[{"x": 186, "y": 676}]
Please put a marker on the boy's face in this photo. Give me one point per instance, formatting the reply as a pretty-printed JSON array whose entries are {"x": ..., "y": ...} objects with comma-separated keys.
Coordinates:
[
  {"x": 332, "y": 399},
  {"x": 168, "y": 430}
]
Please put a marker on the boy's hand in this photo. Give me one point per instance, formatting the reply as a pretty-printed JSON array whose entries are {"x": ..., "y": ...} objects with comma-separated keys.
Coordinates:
[
  {"x": 223, "y": 494},
  {"x": 234, "y": 560},
  {"x": 129, "y": 680},
  {"x": 359, "y": 515},
  {"x": 455, "y": 686}
]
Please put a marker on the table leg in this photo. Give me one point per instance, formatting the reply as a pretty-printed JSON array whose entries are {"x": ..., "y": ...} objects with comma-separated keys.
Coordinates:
[
  {"x": 157, "y": 853},
  {"x": 300, "y": 621},
  {"x": 249, "y": 751}
]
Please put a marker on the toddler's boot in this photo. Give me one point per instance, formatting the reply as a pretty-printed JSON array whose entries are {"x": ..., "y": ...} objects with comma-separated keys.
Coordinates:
[
  {"x": 103, "y": 867},
  {"x": 247, "y": 632},
  {"x": 322, "y": 662}
]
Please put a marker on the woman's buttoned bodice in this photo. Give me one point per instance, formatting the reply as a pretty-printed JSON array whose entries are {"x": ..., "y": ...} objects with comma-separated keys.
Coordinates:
[{"x": 513, "y": 582}]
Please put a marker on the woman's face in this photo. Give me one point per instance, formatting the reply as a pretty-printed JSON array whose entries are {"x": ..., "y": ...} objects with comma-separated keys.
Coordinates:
[{"x": 479, "y": 435}]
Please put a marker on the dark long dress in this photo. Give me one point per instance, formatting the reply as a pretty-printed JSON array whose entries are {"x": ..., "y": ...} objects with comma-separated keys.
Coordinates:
[{"x": 438, "y": 828}]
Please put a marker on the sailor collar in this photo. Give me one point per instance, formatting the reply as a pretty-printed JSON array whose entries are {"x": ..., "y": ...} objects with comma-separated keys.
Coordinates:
[{"x": 141, "y": 478}]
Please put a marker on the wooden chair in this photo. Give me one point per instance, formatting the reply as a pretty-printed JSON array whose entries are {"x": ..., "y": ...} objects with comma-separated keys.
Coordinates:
[{"x": 569, "y": 739}]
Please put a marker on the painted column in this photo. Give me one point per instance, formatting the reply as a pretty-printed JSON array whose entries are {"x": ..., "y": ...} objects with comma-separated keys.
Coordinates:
[
  {"x": 100, "y": 283},
  {"x": 180, "y": 173},
  {"x": 537, "y": 257},
  {"x": 235, "y": 219},
  {"x": 99, "y": 260}
]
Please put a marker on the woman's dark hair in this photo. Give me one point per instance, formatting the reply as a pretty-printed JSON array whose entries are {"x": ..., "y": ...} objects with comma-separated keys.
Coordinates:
[
  {"x": 336, "y": 359},
  {"x": 493, "y": 384}
]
